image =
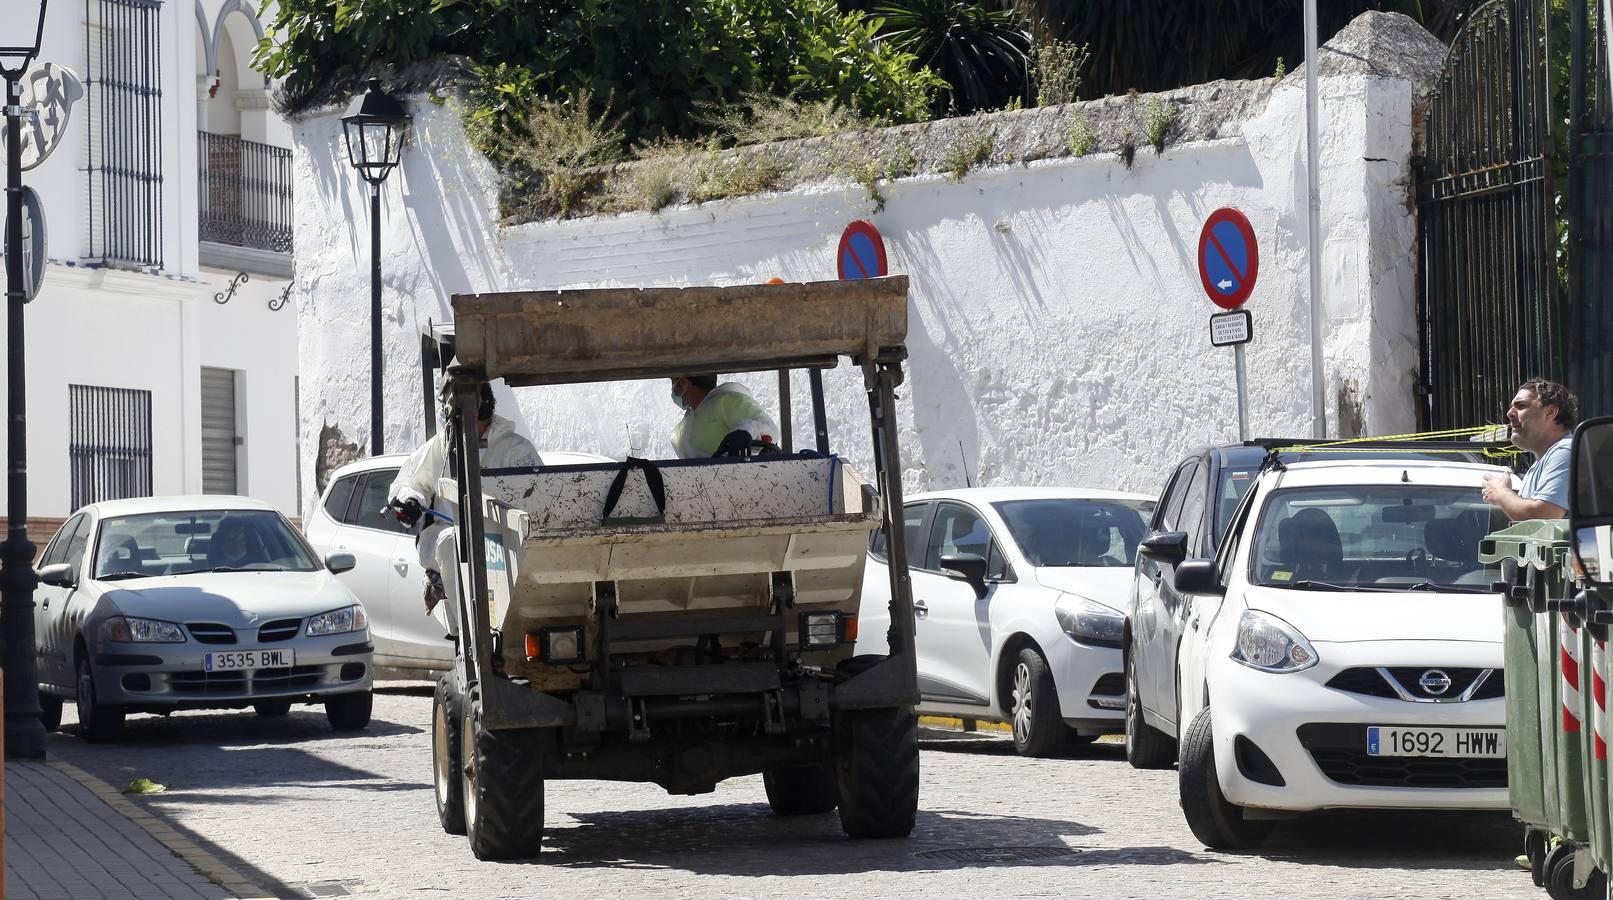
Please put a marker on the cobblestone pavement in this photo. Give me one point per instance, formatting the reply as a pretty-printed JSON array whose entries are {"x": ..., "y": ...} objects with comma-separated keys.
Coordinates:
[{"x": 307, "y": 813}]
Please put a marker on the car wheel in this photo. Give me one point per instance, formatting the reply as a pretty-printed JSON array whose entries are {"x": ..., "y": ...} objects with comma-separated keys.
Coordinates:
[
  {"x": 801, "y": 790},
  {"x": 503, "y": 787},
  {"x": 1146, "y": 746},
  {"x": 97, "y": 721},
  {"x": 50, "y": 711},
  {"x": 272, "y": 709},
  {"x": 1217, "y": 823},
  {"x": 447, "y": 776},
  {"x": 349, "y": 712},
  {"x": 1034, "y": 707}
]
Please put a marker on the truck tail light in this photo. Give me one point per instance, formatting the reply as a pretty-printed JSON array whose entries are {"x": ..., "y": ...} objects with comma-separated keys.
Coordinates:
[
  {"x": 819, "y": 630},
  {"x": 557, "y": 646}
]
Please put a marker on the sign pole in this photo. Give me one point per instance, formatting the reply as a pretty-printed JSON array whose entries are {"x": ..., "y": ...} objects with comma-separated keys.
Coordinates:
[
  {"x": 1313, "y": 225},
  {"x": 1243, "y": 394}
]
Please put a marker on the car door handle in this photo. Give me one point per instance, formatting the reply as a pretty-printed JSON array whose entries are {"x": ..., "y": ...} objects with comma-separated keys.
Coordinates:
[
  {"x": 401, "y": 563},
  {"x": 919, "y": 609}
]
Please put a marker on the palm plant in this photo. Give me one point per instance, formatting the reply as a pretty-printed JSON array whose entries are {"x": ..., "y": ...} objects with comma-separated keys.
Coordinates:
[{"x": 981, "y": 49}]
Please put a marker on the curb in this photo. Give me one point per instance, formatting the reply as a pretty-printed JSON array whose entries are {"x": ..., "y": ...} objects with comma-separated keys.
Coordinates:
[
  {"x": 953, "y": 723},
  {"x": 200, "y": 860}
]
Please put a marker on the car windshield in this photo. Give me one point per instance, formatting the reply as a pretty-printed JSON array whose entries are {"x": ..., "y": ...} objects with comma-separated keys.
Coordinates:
[
  {"x": 1374, "y": 538},
  {"x": 182, "y": 543},
  {"x": 1061, "y": 531}
]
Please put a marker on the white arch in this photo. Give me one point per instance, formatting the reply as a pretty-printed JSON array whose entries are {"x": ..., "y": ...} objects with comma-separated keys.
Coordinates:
[
  {"x": 209, "y": 42},
  {"x": 243, "y": 63}
]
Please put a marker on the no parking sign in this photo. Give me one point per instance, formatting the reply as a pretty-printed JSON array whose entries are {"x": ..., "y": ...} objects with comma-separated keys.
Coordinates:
[{"x": 862, "y": 253}]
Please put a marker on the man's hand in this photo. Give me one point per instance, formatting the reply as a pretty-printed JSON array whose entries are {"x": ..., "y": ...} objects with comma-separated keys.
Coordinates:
[
  {"x": 1496, "y": 489},
  {"x": 408, "y": 511}
]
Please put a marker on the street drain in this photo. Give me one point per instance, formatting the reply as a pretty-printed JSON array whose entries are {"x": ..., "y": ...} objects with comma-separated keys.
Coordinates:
[
  {"x": 314, "y": 889},
  {"x": 996, "y": 854}
]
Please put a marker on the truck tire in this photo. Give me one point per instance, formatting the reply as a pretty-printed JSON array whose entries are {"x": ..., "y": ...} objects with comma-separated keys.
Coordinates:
[
  {"x": 877, "y": 771},
  {"x": 801, "y": 790},
  {"x": 447, "y": 776},
  {"x": 1214, "y": 821},
  {"x": 503, "y": 787},
  {"x": 50, "y": 711}
]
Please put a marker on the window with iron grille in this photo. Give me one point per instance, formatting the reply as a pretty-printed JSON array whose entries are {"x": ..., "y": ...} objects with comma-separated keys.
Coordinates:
[
  {"x": 123, "y": 166},
  {"x": 109, "y": 449}
]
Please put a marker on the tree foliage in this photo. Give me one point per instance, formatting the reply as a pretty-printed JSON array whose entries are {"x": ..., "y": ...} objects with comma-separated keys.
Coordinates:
[
  {"x": 654, "y": 61},
  {"x": 982, "y": 52},
  {"x": 1156, "y": 45}
]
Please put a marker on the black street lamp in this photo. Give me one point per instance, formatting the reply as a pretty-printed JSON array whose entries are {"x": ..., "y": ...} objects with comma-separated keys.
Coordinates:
[
  {"x": 374, "y": 127},
  {"x": 24, "y": 733}
]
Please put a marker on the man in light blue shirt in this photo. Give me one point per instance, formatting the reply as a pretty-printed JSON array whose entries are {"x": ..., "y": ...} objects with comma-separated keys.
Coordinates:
[{"x": 1542, "y": 418}]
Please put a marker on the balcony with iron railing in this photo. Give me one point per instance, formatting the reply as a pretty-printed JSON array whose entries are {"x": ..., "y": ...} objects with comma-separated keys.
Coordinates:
[{"x": 245, "y": 202}]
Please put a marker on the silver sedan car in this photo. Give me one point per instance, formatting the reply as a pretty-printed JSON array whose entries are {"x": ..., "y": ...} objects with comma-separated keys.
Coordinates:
[{"x": 168, "y": 603}]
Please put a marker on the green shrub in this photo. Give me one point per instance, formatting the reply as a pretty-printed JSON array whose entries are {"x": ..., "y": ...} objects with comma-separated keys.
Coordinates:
[
  {"x": 1082, "y": 136},
  {"x": 1158, "y": 117},
  {"x": 1056, "y": 71},
  {"x": 970, "y": 149}
]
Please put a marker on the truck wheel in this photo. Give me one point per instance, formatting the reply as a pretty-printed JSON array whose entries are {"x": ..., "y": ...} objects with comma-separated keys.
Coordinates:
[
  {"x": 503, "y": 787},
  {"x": 1038, "y": 723},
  {"x": 97, "y": 721},
  {"x": 877, "y": 771},
  {"x": 349, "y": 712},
  {"x": 50, "y": 711},
  {"x": 801, "y": 790},
  {"x": 1214, "y": 821},
  {"x": 448, "y": 777},
  {"x": 1146, "y": 746}
]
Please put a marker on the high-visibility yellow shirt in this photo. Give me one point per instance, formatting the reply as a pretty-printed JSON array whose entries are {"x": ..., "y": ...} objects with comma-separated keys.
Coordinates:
[{"x": 729, "y": 407}]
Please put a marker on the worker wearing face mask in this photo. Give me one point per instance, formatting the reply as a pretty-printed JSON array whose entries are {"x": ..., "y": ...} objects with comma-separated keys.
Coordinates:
[{"x": 718, "y": 419}]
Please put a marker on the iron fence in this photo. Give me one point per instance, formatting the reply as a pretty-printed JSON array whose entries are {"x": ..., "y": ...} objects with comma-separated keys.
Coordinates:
[
  {"x": 109, "y": 446},
  {"x": 1591, "y": 215},
  {"x": 1489, "y": 301},
  {"x": 245, "y": 197},
  {"x": 123, "y": 46}
]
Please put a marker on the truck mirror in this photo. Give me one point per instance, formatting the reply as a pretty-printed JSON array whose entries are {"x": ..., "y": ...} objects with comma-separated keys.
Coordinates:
[{"x": 1590, "y": 500}]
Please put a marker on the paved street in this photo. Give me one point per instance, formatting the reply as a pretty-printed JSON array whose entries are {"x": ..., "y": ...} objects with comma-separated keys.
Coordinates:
[{"x": 305, "y": 813}]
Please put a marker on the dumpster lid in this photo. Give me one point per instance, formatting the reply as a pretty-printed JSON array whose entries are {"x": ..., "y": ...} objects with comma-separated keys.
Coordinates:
[{"x": 607, "y": 334}]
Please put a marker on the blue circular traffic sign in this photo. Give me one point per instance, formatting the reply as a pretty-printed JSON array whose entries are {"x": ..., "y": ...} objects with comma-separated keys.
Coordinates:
[
  {"x": 862, "y": 253},
  {"x": 1229, "y": 259}
]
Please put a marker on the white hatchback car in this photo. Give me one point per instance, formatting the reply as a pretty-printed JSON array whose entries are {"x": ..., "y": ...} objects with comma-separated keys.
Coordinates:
[
  {"x": 1344, "y": 650},
  {"x": 352, "y": 517},
  {"x": 1018, "y": 594}
]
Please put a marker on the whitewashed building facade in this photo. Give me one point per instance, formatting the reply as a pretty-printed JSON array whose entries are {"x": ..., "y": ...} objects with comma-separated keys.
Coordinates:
[{"x": 161, "y": 347}]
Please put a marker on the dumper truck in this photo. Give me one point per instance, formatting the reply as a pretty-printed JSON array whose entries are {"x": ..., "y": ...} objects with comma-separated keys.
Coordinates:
[{"x": 676, "y": 621}]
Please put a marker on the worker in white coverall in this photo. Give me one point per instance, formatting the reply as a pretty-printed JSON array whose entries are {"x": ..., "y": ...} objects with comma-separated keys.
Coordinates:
[
  {"x": 718, "y": 420},
  {"x": 414, "y": 492}
]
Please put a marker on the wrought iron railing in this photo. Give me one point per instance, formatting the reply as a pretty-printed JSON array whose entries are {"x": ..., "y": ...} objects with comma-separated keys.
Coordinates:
[{"x": 245, "y": 198}]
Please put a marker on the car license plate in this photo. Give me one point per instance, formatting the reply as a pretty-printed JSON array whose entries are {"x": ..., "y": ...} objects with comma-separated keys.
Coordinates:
[
  {"x": 1488, "y": 743},
  {"x": 236, "y": 660}
]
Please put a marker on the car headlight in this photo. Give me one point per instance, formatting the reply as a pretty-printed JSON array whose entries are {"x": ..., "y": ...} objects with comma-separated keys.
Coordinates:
[
  {"x": 130, "y": 629},
  {"x": 337, "y": 621},
  {"x": 1269, "y": 644},
  {"x": 1089, "y": 622}
]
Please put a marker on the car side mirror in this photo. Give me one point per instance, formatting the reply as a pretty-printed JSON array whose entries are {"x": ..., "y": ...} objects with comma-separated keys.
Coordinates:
[
  {"x": 1198, "y": 576},
  {"x": 59, "y": 575},
  {"x": 1590, "y": 500},
  {"x": 340, "y": 562},
  {"x": 967, "y": 567},
  {"x": 1165, "y": 547}
]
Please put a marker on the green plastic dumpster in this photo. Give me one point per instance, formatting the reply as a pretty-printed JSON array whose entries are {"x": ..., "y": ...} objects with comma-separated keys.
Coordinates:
[{"x": 1545, "y": 776}]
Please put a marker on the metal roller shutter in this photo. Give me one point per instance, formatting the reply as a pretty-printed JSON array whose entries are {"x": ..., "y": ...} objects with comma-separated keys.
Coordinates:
[{"x": 219, "y": 440}]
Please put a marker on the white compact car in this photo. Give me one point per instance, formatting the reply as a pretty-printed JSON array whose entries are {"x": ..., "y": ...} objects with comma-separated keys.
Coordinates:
[
  {"x": 1018, "y": 594},
  {"x": 1344, "y": 649},
  {"x": 352, "y": 517}
]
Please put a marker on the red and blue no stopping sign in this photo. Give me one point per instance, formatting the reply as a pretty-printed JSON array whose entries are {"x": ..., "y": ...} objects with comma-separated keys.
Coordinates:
[
  {"x": 1229, "y": 260},
  {"x": 862, "y": 253}
]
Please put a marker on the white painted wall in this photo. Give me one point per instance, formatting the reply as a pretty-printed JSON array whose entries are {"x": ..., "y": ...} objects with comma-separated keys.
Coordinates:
[{"x": 1058, "y": 331}]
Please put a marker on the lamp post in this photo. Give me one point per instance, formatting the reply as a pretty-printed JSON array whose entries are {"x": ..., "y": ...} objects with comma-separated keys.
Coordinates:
[
  {"x": 374, "y": 127},
  {"x": 24, "y": 733}
]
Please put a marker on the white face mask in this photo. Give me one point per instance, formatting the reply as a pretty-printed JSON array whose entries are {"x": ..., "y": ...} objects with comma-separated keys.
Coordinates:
[{"x": 678, "y": 399}]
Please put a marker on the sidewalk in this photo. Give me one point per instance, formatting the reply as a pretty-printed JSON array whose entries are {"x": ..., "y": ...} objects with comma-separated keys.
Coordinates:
[{"x": 70, "y": 836}]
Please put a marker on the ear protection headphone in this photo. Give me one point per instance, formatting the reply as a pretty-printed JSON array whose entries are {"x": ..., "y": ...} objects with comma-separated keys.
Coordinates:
[{"x": 484, "y": 410}]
